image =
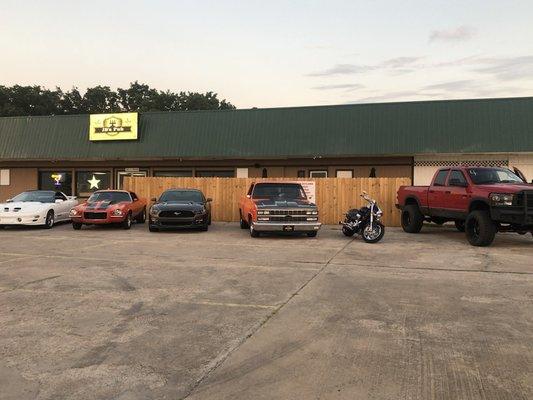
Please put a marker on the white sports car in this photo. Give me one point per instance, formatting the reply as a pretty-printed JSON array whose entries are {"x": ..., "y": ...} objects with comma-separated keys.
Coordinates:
[{"x": 36, "y": 207}]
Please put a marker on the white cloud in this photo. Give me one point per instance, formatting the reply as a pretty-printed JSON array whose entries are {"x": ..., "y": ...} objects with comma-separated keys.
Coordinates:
[{"x": 459, "y": 34}]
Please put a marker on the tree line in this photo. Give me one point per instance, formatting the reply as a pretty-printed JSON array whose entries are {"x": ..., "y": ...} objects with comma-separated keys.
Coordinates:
[{"x": 36, "y": 100}]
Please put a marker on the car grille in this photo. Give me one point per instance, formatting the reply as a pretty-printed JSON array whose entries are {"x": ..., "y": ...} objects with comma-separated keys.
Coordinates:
[
  {"x": 95, "y": 215},
  {"x": 288, "y": 212},
  {"x": 176, "y": 223},
  {"x": 524, "y": 199},
  {"x": 287, "y": 218},
  {"x": 529, "y": 199},
  {"x": 172, "y": 214}
]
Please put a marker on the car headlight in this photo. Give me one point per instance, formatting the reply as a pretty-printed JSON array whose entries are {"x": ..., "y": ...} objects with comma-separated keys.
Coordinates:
[
  {"x": 263, "y": 212},
  {"x": 501, "y": 199},
  {"x": 200, "y": 211},
  {"x": 312, "y": 212},
  {"x": 154, "y": 212},
  {"x": 117, "y": 213},
  {"x": 74, "y": 213}
]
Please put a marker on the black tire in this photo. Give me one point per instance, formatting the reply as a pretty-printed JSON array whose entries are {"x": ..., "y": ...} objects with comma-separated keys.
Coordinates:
[
  {"x": 204, "y": 228},
  {"x": 312, "y": 234},
  {"x": 76, "y": 225},
  {"x": 141, "y": 218},
  {"x": 376, "y": 239},
  {"x": 347, "y": 231},
  {"x": 49, "y": 220},
  {"x": 460, "y": 225},
  {"x": 243, "y": 223},
  {"x": 209, "y": 220},
  {"x": 412, "y": 219},
  {"x": 479, "y": 228},
  {"x": 253, "y": 232},
  {"x": 153, "y": 228},
  {"x": 126, "y": 224}
]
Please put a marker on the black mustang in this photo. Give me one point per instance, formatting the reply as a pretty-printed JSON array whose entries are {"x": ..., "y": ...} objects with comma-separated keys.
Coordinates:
[{"x": 180, "y": 208}]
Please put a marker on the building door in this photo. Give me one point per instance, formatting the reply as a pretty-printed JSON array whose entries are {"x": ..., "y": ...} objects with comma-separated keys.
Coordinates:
[{"x": 122, "y": 174}]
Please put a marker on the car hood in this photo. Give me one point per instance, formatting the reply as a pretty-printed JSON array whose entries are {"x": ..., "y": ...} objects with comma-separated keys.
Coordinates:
[
  {"x": 24, "y": 206},
  {"x": 505, "y": 187},
  {"x": 271, "y": 203},
  {"x": 101, "y": 205},
  {"x": 178, "y": 205}
]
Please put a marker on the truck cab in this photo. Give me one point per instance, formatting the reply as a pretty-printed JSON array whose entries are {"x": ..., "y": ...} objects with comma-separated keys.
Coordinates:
[
  {"x": 480, "y": 200},
  {"x": 278, "y": 207}
]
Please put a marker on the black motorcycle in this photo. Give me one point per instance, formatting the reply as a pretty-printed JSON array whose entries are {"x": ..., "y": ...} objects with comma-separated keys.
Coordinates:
[{"x": 365, "y": 221}]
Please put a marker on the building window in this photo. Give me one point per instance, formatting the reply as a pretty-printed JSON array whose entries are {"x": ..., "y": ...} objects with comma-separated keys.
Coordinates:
[
  {"x": 301, "y": 173},
  {"x": 56, "y": 180},
  {"x": 215, "y": 174},
  {"x": 88, "y": 182},
  {"x": 175, "y": 173},
  {"x": 318, "y": 174},
  {"x": 4, "y": 177},
  {"x": 344, "y": 173}
]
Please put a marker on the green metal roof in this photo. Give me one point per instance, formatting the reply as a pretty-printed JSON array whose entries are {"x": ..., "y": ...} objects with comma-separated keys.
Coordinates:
[{"x": 451, "y": 126}]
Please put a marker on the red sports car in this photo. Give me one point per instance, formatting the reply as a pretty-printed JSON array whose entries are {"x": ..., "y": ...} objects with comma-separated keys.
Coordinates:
[{"x": 109, "y": 207}]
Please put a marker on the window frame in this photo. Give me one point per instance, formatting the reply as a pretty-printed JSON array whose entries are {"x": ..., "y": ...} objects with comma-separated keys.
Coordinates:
[{"x": 444, "y": 183}]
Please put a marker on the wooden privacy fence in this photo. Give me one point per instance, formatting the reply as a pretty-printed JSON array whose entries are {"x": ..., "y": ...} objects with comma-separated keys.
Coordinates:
[{"x": 334, "y": 196}]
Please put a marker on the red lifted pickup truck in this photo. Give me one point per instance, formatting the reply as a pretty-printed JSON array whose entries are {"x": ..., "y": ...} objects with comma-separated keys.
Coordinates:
[{"x": 480, "y": 200}]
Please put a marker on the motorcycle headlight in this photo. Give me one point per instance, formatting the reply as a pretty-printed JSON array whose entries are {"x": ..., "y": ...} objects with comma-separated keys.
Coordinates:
[
  {"x": 501, "y": 199},
  {"x": 379, "y": 213}
]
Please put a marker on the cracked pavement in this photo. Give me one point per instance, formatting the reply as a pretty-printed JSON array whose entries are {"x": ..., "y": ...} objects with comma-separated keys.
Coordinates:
[{"x": 105, "y": 313}]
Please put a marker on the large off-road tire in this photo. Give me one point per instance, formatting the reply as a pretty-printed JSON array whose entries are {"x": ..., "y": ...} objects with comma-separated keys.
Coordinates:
[
  {"x": 141, "y": 218},
  {"x": 126, "y": 224},
  {"x": 243, "y": 223},
  {"x": 412, "y": 219},
  {"x": 76, "y": 226},
  {"x": 49, "y": 220},
  {"x": 479, "y": 228},
  {"x": 460, "y": 225}
]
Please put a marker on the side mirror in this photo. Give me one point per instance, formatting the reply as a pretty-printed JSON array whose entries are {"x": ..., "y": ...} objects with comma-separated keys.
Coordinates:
[
  {"x": 153, "y": 199},
  {"x": 209, "y": 199}
]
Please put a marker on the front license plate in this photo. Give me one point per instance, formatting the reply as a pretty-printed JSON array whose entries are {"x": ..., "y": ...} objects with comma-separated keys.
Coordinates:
[{"x": 288, "y": 228}]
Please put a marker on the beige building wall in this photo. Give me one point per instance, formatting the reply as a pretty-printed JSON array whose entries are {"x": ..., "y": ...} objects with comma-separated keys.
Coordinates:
[
  {"x": 20, "y": 179},
  {"x": 524, "y": 162}
]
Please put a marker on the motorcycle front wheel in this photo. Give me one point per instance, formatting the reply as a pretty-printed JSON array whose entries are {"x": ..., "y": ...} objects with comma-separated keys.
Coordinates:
[
  {"x": 347, "y": 231},
  {"x": 374, "y": 233}
]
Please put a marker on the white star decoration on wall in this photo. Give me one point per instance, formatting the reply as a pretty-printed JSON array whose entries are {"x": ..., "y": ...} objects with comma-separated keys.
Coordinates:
[{"x": 93, "y": 182}]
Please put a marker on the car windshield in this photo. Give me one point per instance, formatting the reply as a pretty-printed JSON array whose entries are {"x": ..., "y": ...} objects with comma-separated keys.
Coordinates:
[
  {"x": 39, "y": 196},
  {"x": 482, "y": 176},
  {"x": 181, "y": 196},
  {"x": 109, "y": 197},
  {"x": 279, "y": 191}
]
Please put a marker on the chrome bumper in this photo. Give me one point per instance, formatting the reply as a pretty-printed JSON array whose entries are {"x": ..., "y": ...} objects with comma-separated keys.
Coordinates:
[{"x": 286, "y": 227}]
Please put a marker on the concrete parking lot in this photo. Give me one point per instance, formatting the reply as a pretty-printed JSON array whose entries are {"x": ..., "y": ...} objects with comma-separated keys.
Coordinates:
[{"x": 111, "y": 314}]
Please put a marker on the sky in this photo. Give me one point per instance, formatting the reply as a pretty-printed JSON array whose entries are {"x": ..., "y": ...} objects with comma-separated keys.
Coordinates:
[{"x": 275, "y": 53}]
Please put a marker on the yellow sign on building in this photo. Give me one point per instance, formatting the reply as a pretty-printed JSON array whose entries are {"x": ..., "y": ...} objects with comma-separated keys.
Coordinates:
[{"x": 119, "y": 126}]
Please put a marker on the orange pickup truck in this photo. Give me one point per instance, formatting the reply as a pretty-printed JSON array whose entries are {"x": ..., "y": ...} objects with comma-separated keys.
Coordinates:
[{"x": 278, "y": 207}]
